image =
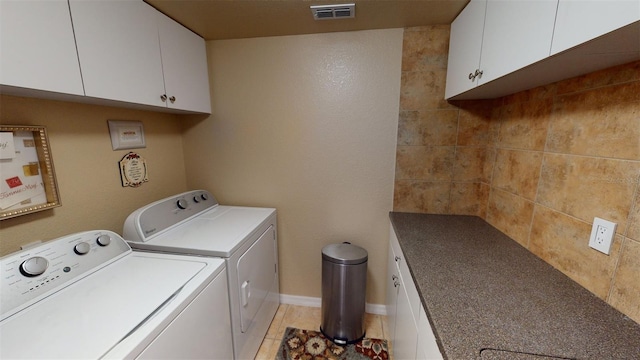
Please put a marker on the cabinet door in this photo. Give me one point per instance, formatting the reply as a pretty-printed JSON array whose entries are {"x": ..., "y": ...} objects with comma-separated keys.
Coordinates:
[
  {"x": 465, "y": 44},
  {"x": 581, "y": 21},
  {"x": 184, "y": 63},
  {"x": 393, "y": 282},
  {"x": 406, "y": 334},
  {"x": 119, "y": 50},
  {"x": 516, "y": 34},
  {"x": 427, "y": 345},
  {"x": 405, "y": 277},
  {"x": 37, "y": 47}
]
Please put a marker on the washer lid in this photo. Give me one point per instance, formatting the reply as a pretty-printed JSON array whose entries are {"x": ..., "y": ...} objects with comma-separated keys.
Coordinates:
[
  {"x": 344, "y": 253},
  {"x": 89, "y": 317}
]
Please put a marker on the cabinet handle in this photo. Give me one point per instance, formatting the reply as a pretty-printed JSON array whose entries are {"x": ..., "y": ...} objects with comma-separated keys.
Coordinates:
[
  {"x": 163, "y": 97},
  {"x": 172, "y": 99},
  {"x": 394, "y": 278},
  {"x": 398, "y": 258},
  {"x": 473, "y": 76},
  {"x": 396, "y": 283}
]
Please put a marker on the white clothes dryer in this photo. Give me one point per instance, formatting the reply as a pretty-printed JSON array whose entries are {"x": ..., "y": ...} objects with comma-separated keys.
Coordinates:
[
  {"x": 193, "y": 223},
  {"x": 88, "y": 296}
]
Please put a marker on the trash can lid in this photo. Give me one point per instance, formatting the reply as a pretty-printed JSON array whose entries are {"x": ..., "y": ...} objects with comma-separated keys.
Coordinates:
[{"x": 344, "y": 253}]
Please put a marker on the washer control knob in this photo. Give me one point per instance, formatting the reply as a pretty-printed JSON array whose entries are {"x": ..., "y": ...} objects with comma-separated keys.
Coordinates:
[
  {"x": 82, "y": 248},
  {"x": 204, "y": 196},
  {"x": 34, "y": 266},
  {"x": 103, "y": 240},
  {"x": 182, "y": 204},
  {"x": 196, "y": 199}
]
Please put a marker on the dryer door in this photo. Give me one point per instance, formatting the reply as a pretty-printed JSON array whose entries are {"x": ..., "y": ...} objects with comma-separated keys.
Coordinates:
[{"x": 256, "y": 274}]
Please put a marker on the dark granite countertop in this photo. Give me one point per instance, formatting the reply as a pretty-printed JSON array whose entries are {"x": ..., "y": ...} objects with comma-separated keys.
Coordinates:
[{"x": 487, "y": 297}]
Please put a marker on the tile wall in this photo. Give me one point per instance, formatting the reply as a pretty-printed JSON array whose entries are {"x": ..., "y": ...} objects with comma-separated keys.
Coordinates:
[
  {"x": 442, "y": 148},
  {"x": 538, "y": 165}
]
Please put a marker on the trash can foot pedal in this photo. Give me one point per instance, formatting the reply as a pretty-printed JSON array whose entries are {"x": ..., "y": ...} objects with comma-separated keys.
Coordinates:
[{"x": 342, "y": 341}]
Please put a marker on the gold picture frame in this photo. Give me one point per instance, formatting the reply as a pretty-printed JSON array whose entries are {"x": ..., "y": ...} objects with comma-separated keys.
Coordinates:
[{"x": 27, "y": 177}]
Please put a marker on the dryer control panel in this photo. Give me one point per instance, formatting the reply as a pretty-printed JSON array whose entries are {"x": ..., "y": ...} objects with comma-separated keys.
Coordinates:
[
  {"x": 39, "y": 271},
  {"x": 152, "y": 219}
]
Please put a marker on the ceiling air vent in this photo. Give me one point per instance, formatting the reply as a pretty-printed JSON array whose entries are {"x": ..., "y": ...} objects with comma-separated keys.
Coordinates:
[{"x": 338, "y": 11}]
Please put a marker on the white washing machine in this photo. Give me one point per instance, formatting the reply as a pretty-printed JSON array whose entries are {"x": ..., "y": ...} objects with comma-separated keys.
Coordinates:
[
  {"x": 193, "y": 223},
  {"x": 88, "y": 296}
]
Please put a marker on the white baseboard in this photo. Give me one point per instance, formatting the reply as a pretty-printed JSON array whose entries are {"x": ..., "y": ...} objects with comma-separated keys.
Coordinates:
[
  {"x": 378, "y": 309},
  {"x": 300, "y": 300}
]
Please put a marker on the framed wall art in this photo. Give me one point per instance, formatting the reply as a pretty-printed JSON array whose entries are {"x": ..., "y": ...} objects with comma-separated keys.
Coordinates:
[{"x": 27, "y": 177}]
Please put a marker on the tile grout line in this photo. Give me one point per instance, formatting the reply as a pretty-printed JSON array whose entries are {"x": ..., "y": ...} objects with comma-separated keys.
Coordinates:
[
  {"x": 597, "y": 87},
  {"x": 540, "y": 172},
  {"x": 453, "y": 166},
  {"x": 496, "y": 141},
  {"x": 552, "y": 152},
  {"x": 635, "y": 195}
]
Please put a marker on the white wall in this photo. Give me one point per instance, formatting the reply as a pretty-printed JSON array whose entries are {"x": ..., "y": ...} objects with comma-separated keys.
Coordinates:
[{"x": 306, "y": 124}]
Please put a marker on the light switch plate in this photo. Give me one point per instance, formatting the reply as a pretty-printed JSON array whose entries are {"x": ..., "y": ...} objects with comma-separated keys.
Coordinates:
[{"x": 602, "y": 235}]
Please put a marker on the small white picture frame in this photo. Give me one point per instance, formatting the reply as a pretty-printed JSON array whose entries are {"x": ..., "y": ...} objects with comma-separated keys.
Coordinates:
[{"x": 126, "y": 134}]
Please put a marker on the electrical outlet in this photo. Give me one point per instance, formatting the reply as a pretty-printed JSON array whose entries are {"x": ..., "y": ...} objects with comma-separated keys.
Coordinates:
[{"x": 602, "y": 234}]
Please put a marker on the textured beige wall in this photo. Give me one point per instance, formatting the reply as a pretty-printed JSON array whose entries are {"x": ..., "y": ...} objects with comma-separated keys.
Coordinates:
[
  {"x": 87, "y": 168},
  {"x": 306, "y": 124},
  {"x": 538, "y": 165}
]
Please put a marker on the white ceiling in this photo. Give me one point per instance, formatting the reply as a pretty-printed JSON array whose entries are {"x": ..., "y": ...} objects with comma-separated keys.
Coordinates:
[{"x": 234, "y": 19}]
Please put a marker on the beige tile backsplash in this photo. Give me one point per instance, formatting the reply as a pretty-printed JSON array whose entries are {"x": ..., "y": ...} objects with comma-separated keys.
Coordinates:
[
  {"x": 517, "y": 172},
  {"x": 469, "y": 198},
  {"x": 559, "y": 239},
  {"x": 626, "y": 287},
  {"x": 633, "y": 231},
  {"x": 586, "y": 187},
  {"x": 428, "y": 127},
  {"x": 600, "y": 122},
  {"x": 523, "y": 125},
  {"x": 423, "y": 196},
  {"x": 510, "y": 214},
  {"x": 468, "y": 163},
  {"x": 538, "y": 165}
]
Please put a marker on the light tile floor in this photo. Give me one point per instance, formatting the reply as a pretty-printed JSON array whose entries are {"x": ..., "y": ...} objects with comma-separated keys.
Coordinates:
[{"x": 309, "y": 318}]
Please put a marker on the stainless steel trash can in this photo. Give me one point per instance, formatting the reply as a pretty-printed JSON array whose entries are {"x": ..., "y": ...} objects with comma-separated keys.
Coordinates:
[{"x": 344, "y": 282}]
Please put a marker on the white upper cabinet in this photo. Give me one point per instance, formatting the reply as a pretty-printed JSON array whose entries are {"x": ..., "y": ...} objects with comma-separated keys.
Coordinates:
[
  {"x": 530, "y": 43},
  {"x": 516, "y": 34},
  {"x": 37, "y": 47},
  {"x": 580, "y": 21},
  {"x": 184, "y": 63},
  {"x": 500, "y": 37},
  {"x": 464, "y": 52},
  {"x": 119, "y": 50},
  {"x": 131, "y": 52}
]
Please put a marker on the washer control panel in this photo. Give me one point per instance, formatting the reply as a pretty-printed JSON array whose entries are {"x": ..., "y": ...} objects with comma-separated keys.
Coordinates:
[
  {"x": 152, "y": 219},
  {"x": 34, "y": 273}
]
